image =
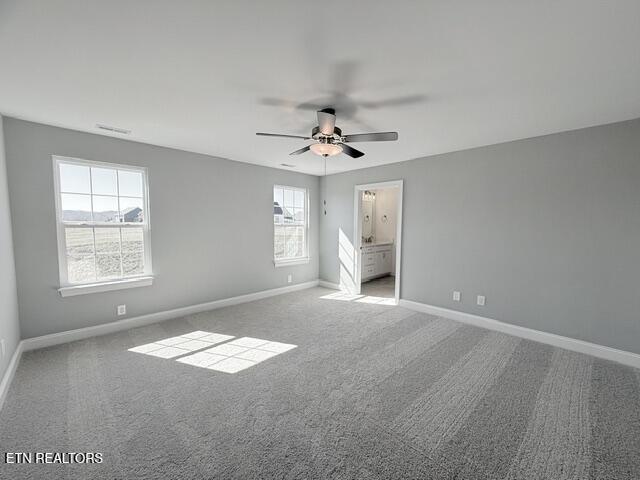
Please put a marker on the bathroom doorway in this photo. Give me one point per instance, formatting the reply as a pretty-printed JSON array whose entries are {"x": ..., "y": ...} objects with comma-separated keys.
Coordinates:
[{"x": 378, "y": 239}]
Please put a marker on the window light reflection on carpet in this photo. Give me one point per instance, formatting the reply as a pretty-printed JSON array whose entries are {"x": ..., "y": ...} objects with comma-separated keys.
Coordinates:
[{"x": 209, "y": 350}]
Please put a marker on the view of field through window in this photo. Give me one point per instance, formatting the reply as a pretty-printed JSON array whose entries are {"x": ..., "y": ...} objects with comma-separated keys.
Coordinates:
[
  {"x": 104, "y": 253},
  {"x": 289, "y": 218},
  {"x": 103, "y": 217}
]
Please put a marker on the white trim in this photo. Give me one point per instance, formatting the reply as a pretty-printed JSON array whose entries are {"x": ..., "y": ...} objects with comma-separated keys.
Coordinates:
[
  {"x": 106, "y": 328},
  {"x": 331, "y": 285},
  {"x": 9, "y": 373},
  {"x": 357, "y": 235},
  {"x": 627, "y": 358},
  {"x": 105, "y": 286},
  {"x": 377, "y": 185},
  {"x": 293, "y": 261}
]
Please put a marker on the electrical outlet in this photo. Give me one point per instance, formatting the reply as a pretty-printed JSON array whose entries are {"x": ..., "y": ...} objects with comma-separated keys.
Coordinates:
[
  {"x": 481, "y": 300},
  {"x": 289, "y": 278},
  {"x": 2, "y": 347},
  {"x": 122, "y": 310},
  {"x": 456, "y": 296}
]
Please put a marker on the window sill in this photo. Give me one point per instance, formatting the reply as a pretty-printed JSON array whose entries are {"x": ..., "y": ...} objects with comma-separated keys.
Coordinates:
[
  {"x": 105, "y": 286},
  {"x": 287, "y": 263}
]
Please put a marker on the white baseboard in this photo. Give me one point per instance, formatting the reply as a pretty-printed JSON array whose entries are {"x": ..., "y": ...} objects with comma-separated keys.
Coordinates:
[
  {"x": 600, "y": 351},
  {"x": 106, "y": 328},
  {"x": 9, "y": 373},
  {"x": 331, "y": 285}
]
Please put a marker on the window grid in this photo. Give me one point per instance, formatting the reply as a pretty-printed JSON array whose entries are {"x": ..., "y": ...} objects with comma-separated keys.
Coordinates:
[
  {"x": 291, "y": 226},
  {"x": 141, "y": 256}
]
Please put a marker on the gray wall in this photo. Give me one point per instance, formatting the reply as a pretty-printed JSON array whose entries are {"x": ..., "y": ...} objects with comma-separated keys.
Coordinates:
[
  {"x": 9, "y": 326},
  {"x": 211, "y": 227},
  {"x": 547, "y": 228}
]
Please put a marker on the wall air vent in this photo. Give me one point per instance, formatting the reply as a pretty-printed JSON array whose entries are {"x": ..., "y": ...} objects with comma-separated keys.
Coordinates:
[{"x": 122, "y": 131}]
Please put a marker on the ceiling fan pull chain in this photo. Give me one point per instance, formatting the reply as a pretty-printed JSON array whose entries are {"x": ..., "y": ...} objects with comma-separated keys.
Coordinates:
[{"x": 325, "y": 186}]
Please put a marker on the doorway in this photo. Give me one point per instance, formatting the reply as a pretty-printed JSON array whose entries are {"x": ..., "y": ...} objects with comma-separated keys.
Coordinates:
[{"x": 378, "y": 239}]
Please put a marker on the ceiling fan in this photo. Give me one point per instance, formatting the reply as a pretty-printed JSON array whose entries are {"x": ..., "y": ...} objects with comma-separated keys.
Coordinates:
[{"x": 329, "y": 138}]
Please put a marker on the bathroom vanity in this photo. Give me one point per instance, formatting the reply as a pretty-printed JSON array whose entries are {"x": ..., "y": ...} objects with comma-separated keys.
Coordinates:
[{"x": 375, "y": 259}]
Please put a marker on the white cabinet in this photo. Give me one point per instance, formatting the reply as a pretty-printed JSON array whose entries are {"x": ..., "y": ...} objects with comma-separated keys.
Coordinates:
[{"x": 375, "y": 260}]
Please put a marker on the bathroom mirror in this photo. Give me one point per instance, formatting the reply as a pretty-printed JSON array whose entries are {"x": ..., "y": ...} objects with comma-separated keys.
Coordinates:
[{"x": 368, "y": 215}]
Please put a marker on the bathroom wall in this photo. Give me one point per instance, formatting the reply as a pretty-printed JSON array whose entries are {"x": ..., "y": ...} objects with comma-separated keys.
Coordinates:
[{"x": 387, "y": 204}]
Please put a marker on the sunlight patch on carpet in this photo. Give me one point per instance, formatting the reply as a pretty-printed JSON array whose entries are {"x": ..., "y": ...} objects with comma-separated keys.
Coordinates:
[
  {"x": 349, "y": 297},
  {"x": 199, "y": 349}
]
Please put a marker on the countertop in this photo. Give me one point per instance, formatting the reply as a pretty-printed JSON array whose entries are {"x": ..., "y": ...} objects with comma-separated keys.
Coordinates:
[{"x": 376, "y": 244}]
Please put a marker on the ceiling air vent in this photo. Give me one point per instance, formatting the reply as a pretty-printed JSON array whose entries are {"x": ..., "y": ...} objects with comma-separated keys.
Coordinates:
[{"x": 122, "y": 131}]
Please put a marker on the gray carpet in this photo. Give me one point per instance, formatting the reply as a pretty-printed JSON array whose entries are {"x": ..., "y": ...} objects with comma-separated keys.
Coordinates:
[{"x": 370, "y": 391}]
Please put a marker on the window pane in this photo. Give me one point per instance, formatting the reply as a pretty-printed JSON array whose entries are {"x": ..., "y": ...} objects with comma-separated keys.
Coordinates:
[
  {"x": 104, "y": 181},
  {"x": 132, "y": 251},
  {"x": 295, "y": 242},
  {"x": 80, "y": 259},
  {"x": 298, "y": 198},
  {"x": 298, "y": 215},
  {"x": 299, "y": 241},
  {"x": 278, "y": 217},
  {"x": 131, "y": 210},
  {"x": 287, "y": 215},
  {"x": 76, "y": 208},
  {"x": 108, "y": 266},
  {"x": 81, "y": 269},
  {"x": 130, "y": 183},
  {"x": 79, "y": 241},
  {"x": 278, "y": 241},
  {"x": 278, "y": 196},
  {"x": 288, "y": 198},
  {"x": 290, "y": 243},
  {"x": 105, "y": 209},
  {"x": 74, "y": 178},
  {"x": 107, "y": 240},
  {"x": 278, "y": 199}
]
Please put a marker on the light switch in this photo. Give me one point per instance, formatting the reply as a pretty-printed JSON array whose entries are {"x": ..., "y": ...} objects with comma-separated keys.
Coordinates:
[
  {"x": 481, "y": 300},
  {"x": 456, "y": 296}
]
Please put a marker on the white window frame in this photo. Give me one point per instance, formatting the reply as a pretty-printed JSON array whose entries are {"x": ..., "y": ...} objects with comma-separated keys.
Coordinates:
[
  {"x": 284, "y": 262},
  {"x": 70, "y": 289}
]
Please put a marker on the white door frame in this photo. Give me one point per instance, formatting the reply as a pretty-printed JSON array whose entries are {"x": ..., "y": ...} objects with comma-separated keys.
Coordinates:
[{"x": 357, "y": 230}]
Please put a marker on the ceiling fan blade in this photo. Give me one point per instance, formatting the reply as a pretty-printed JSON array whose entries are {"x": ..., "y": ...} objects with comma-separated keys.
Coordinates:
[
  {"x": 281, "y": 135},
  {"x": 302, "y": 150},
  {"x": 327, "y": 120},
  {"x": 372, "y": 137},
  {"x": 352, "y": 152},
  {"x": 396, "y": 101}
]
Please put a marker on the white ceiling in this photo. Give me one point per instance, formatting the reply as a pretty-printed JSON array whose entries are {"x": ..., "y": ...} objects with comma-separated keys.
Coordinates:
[{"x": 205, "y": 75}]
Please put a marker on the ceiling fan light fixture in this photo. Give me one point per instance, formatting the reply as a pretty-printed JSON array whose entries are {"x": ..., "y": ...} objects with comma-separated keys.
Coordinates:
[{"x": 326, "y": 149}]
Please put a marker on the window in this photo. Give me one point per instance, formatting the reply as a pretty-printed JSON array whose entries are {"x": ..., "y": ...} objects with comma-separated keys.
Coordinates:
[
  {"x": 103, "y": 222},
  {"x": 290, "y": 225}
]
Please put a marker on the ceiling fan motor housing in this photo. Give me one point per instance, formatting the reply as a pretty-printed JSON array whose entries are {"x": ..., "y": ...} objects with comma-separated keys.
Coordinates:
[{"x": 316, "y": 134}]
